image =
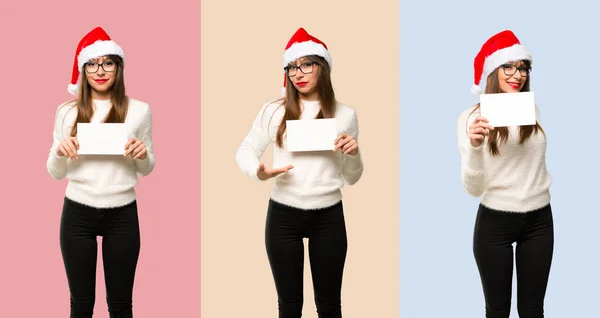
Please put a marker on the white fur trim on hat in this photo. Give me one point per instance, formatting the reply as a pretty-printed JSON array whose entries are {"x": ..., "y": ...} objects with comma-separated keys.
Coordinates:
[
  {"x": 516, "y": 52},
  {"x": 283, "y": 91},
  {"x": 98, "y": 49},
  {"x": 298, "y": 50}
]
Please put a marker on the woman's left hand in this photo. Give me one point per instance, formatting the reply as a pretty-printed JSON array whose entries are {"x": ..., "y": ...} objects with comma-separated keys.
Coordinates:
[
  {"x": 135, "y": 148},
  {"x": 347, "y": 144}
]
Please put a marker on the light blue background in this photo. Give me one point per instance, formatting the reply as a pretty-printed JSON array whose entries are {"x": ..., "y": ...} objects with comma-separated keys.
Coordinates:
[{"x": 438, "y": 41}]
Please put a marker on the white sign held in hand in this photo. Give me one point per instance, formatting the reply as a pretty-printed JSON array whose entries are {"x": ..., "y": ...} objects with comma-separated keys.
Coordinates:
[
  {"x": 508, "y": 109},
  {"x": 101, "y": 138},
  {"x": 311, "y": 134}
]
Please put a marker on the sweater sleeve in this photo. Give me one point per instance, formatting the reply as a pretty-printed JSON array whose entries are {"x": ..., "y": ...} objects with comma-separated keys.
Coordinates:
[
  {"x": 472, "y": 167},
  {"x": 256, "y": 142},
  {"x": 57, "y": 165},
  {"x": 352, "y": 165},
  {"x": 146, "y": 165}
]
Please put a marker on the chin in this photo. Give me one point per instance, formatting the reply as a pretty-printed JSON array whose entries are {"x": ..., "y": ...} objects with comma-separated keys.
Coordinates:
[
  {"x": 510, "y": 90},
  {"x": 306, "y": 90},
  {"x": 102, "y": 89}
]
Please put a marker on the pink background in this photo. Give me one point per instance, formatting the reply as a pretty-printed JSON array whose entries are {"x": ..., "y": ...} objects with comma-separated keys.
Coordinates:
[{"x": 161, "y": 41}]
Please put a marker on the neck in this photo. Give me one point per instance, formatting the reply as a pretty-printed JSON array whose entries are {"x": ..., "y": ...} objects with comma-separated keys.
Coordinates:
[{"x": 100, "y": 95}]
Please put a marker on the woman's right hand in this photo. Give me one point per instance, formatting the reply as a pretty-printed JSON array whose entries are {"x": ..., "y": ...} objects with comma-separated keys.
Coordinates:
[
  {"x": 267, "y": 173},
  {"x": 479, "y": 129},
  {"x": 68, "y": 148}
]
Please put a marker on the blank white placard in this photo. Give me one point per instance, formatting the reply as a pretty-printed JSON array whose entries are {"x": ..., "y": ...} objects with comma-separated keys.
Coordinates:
[
  {"x": 508, "y": 109},
  {"x": 101, "y": 138},
  {"x": 311, "y": 134}
]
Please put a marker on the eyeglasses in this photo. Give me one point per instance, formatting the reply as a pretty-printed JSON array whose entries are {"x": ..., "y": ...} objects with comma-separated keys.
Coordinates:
[
  {"x": 305, "y": 68},
  {"x": 108, "y": 66},
  {"x": 510, "y": 70}
]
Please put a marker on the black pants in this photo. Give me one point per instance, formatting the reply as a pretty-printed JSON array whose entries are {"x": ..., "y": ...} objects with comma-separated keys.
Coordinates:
[
  {"x": 533, "y": 233},
  {"x": 119, "y": 228},
  {"x": 326, "y": 230}
]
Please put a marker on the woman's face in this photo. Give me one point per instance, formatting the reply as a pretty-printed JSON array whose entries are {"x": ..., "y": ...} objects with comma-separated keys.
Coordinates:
[
  {"x": 512, "y": 76},
  {"x": 101, "y": 74},
  {"x": 304, "y": 76}
]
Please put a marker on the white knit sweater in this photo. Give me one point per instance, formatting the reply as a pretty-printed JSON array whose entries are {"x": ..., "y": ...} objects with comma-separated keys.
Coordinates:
[
  {"x": 102, "y": 181},
  {"x": 516, "y": 180},
  {"x": 317, "y": 177}
]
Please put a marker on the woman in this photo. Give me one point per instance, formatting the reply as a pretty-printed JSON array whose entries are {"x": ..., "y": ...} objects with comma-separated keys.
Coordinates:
[
  {"x": 100, "y": 198},
  {"x": 306, "y": 200},
  {"x": 506, "y": 166}
]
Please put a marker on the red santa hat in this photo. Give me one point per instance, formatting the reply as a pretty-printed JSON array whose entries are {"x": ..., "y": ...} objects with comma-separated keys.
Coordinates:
[
  {"x": 501, "y": 48},
  {"x": 302, "y": 44},
  {"x": 95, "y": 44}
]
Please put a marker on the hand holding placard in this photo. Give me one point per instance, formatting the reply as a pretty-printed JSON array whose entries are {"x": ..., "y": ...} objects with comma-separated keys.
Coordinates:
[
  {"x": 478, "y": 130},
  {"x": 136, "y": 149},
  {"x": 68, "y": 148},
  {"x": 347, "y": 144}
]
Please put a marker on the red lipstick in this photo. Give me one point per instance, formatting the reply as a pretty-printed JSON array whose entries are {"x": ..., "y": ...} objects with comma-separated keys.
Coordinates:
[
  {"x": 101, "y": 81},
  {"x": 301, "y": 83},
  {"x": 515, "y": 85}
]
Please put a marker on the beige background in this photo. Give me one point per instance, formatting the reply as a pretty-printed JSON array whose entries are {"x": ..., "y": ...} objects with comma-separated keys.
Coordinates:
[{"x": 242, "y": 47}]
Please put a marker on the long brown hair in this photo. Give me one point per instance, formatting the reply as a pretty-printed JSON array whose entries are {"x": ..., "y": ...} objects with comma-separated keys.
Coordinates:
[
  {"x": 291, "y": 101},
  {"x": 500, "y": 134},
  {"x": 118, "y": 99}
]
